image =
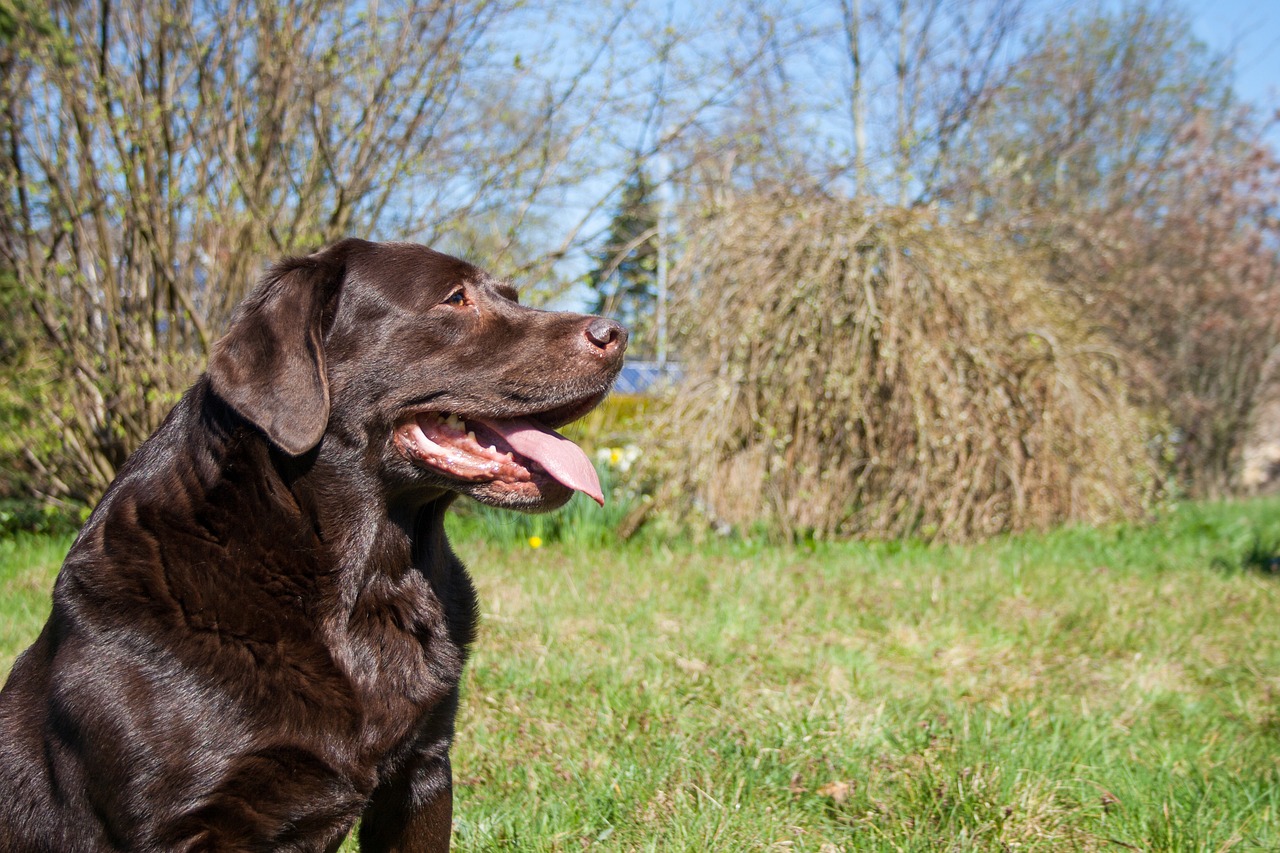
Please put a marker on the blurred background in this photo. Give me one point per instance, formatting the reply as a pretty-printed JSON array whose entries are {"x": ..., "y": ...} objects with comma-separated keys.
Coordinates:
[{"x": 893, "y": 268}]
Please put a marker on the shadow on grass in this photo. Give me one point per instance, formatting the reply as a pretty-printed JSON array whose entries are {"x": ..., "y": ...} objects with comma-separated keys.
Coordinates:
[{"x": 1261, "y": 556}]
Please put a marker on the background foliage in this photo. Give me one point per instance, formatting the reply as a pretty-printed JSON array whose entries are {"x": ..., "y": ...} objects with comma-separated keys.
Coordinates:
[
  {"x": 933, "y": 384},
  {"x": 1065, "y": 211}
]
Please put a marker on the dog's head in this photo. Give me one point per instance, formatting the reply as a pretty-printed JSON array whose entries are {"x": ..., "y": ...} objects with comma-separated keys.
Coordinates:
[{"x": 424, "y": 365}]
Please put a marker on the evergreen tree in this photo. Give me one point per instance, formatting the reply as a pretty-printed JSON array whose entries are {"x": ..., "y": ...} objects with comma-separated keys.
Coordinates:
[{"x": 624, "y": 276}]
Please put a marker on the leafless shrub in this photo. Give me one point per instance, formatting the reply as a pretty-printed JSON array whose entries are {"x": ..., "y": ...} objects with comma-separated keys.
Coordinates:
[
  {"x": 1185, "y": 285},
  {"x": 886, "y": 375},
  {"x": 154, "y": 156},
  {"x": 1120, "y": 148}
]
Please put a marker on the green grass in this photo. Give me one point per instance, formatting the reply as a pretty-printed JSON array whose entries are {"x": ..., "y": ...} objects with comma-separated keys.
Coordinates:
[{"x": 1081, "y": 690}]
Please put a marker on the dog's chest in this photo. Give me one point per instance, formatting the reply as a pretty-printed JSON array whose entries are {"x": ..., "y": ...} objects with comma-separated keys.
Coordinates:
[{"x": 403, "y": 653}]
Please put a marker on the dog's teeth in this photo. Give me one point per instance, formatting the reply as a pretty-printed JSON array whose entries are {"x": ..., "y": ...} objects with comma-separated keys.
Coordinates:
[
  {"x": 471, "y": 435},
  {"x": 492, "y": 449}
]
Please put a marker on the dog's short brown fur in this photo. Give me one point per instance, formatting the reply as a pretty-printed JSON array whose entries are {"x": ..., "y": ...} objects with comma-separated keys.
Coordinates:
[{"x": 257, "y": 638}]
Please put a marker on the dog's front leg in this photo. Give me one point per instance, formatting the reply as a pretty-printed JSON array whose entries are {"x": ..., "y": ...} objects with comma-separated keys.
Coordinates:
[{"x": 412, "y": 813}]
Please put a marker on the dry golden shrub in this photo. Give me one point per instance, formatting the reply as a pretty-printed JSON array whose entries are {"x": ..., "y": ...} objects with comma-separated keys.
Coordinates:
[{"x": 886, "y": 375}]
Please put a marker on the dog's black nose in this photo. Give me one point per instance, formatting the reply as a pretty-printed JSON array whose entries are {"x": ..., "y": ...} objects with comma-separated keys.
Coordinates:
[{"x": 606, "y": 334}]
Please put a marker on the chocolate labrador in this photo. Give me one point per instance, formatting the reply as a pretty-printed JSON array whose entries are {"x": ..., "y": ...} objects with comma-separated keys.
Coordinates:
[{"x": 257, "y": 638}]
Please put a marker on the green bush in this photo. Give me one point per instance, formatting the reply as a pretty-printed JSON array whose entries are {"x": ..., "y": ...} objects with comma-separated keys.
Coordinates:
[{"x": 25, "y": 516}]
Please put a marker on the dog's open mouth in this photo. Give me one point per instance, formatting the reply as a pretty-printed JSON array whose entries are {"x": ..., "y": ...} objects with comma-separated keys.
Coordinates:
[{"x": 487, "y": 450}]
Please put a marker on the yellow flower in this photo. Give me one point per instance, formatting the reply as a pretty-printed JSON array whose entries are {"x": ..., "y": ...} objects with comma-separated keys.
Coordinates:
[
  {"x": 535, "y": 541},
  {"x": 615, "y": 455}
]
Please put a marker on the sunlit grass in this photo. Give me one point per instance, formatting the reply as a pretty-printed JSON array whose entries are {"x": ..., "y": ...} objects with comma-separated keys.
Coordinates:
[{"x": 1080, "y": 690}]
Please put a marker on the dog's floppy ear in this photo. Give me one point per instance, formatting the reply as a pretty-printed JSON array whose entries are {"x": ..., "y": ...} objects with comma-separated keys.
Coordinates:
[{"x": 270, "y": 365}]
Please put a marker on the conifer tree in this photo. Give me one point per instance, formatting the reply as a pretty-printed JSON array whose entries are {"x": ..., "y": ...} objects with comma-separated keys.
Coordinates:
[{"x": 624, "y": 277}]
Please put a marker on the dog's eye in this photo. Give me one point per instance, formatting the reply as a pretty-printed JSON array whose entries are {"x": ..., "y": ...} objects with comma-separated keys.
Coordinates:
[{"x": 458, "y": 297}]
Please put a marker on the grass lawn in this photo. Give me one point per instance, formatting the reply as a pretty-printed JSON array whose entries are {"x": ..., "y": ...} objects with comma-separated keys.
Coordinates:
[{"x": 1082, "y": 690}]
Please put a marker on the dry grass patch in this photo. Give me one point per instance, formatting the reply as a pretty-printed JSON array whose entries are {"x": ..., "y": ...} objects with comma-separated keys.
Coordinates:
[{"x": 887, "y": 375}]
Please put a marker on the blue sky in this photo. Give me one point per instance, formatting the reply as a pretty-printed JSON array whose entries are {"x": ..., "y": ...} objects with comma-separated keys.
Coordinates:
[
  {"x": 1247, "y": 30},
  {"x": 1250, "y": 29}
]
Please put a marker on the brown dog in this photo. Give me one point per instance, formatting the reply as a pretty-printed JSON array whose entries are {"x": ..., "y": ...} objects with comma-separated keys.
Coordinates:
[{"x": 257, "y": 638}]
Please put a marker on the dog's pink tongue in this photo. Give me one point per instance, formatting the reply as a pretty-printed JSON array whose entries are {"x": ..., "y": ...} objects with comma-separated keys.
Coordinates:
[{"x": 561, "y": 458}]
